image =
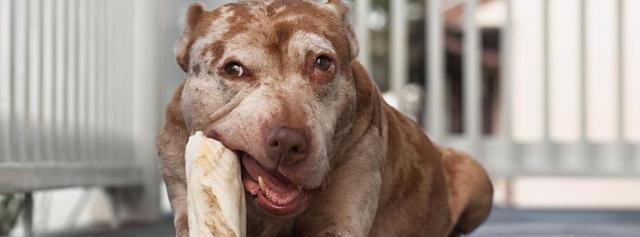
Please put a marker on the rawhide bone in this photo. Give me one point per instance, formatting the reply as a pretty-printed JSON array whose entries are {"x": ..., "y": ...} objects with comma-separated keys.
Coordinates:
[{"x": 215, "y": 194}]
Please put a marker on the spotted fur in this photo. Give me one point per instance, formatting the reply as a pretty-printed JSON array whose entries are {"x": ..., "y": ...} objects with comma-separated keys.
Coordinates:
[{"x": 373, "y": 172}]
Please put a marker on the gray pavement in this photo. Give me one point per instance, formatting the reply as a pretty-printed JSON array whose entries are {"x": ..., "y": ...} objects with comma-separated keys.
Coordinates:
[{"x": 503, "y": 222}]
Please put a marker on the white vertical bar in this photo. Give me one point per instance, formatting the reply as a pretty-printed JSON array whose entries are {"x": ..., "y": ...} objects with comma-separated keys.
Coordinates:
[
  {"x": 621, "y": 103},
  {"x": 35, "y": 81},
  {"x": 632, "y": 74},
  {"x": 141, "y": 83},
  {"x": 104, "y": 82},
  {"x": 540, "y": 158},
  {"x": 546, "y": 156},
  {"x": 362, "y": 31},
  {"x": 114, "y": 81},
  {"x": 581, "y": 158},
  {"x": 83, "y": 83},
  {"x": 398, "y": 44},
  {"x": 23, "y": 87},
  {"x": 128, "y": 121},
  {"x": 102, "y": 79},
  {"x": 120, "y": 61},
  {"x": 472, "y": 83},
  {"x": 114, "y": 78},
  {"x": 48, "y": 80},
  {"x": 601, "y": 68},
  {"x": 435, "y": 113},
  {"x": 545, "y": 70},
  {"x": 20, "y": 80},
  {"x": 81, "y": 67},
  {"x": 99, "y": 88},
  {"x": 72, "y": 79},
  {"x": 93, "y": 82},
  {"x": 125, "y": 85},
  {"x": 506, "y": 75},
  {"x": 582, "y": 72},
  {"x": 506, "y": 84},
  {"x": 61, "y": 79},
  {"x": 39, "y": 129},
  {"x": 96, "y": 135},
  {"x": 106, "y": 62},
  {"x": 6, "y": 32},
  {"x": 79, "y": 64},
  {"x": 623, "y": 155}
]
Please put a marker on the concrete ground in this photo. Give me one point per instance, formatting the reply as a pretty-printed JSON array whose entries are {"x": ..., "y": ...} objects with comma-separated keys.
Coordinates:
[
  {"x": 503, "y": 222},
  {"x": 573, "y": 223}
]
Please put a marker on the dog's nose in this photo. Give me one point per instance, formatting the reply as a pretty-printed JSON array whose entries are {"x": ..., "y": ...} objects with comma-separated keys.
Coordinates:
[{"x": 286, "y": 146}]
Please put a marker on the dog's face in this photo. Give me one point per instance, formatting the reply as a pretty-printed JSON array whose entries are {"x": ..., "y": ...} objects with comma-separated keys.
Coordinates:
[{"x": 272, "y": 81}]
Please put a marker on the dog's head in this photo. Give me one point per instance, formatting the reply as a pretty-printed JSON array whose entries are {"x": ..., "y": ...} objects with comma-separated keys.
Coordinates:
[{"x": 272, "y": 80}]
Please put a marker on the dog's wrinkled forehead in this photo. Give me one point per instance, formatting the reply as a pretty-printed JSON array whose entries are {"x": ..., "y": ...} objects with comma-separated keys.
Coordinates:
[{"x": 264, "y": 24}]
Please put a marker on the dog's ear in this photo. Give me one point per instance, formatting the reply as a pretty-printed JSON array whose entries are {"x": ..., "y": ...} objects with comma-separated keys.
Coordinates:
[
  {"x": 191, "y": 20},
  {"x": 343, "y": 7}
]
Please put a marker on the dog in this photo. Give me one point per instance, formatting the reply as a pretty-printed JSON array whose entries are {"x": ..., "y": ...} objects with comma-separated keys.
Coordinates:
[{"x": 278, "y": 82}]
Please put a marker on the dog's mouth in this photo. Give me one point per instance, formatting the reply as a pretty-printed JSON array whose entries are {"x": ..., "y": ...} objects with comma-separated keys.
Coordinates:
[{"x": 271, "y": 191}]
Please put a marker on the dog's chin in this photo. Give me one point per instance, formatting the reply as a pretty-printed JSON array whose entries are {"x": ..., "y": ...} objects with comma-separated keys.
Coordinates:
[{"x": 270, "y": 191}]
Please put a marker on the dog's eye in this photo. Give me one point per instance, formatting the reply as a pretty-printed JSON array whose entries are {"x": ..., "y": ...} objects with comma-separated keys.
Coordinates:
[
  {"x": 234, "y": 69},
  {"x": 324, "y": 63}
]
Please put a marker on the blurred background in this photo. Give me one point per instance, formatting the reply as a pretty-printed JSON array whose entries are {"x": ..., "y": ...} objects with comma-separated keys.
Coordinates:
[{"x": 543, "y": 92}]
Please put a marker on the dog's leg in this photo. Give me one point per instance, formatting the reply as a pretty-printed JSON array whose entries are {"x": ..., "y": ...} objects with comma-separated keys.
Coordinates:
[
  {"x": 177, "y": 199},
  {"x": 172, "y": 167},
  {"x": 337, "y": 212},
  {"x": 470, "y": 191},
  {"x": 171, "y": 142}
]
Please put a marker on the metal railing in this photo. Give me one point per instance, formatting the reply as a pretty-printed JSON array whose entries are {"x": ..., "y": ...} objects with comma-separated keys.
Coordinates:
[
  {"x": 81, "y": 92},
  {"x": 501, "y": 153},
  {"x": 65, "y": 96},
  {"x": 80, "y": 97}
]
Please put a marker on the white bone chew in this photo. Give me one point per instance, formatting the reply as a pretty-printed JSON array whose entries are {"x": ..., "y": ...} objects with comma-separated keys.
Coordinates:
[{"x": 215, "y": 194}]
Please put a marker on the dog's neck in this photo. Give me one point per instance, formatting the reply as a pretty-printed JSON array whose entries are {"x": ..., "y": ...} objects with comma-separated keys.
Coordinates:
[{"x": 368, "y": 115}]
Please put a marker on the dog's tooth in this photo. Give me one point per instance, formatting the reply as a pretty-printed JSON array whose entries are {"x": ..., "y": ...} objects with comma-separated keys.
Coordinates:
[{"x": 261, "y": 184}]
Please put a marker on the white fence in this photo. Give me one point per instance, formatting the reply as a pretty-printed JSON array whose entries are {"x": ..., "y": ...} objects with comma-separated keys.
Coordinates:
[
  {"x": 82, "y": 87},
  {"x": 69, "y": 112},
  {"x": 502, "y": 153},
  {"x": 82, "y": 84},
  {"x": 81, "y": 91}
]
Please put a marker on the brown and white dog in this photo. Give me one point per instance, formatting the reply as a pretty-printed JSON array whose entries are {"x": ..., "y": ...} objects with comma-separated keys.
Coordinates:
[{"x": 277, "y": 81}]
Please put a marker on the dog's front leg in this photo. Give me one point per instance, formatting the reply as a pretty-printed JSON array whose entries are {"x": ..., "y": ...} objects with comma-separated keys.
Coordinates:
[
  {"x": 171, "y": 142},
  {"x": 348, "y": 205},
  {"x": 177, "y": 198}
]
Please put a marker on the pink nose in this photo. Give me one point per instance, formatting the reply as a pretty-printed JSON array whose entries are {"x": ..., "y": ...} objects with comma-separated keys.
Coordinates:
[{"x": 286, "y": 146}]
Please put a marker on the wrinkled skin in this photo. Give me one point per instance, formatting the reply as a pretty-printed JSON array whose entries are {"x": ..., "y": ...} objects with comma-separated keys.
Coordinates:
[{"x": 365, "y": 170}]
